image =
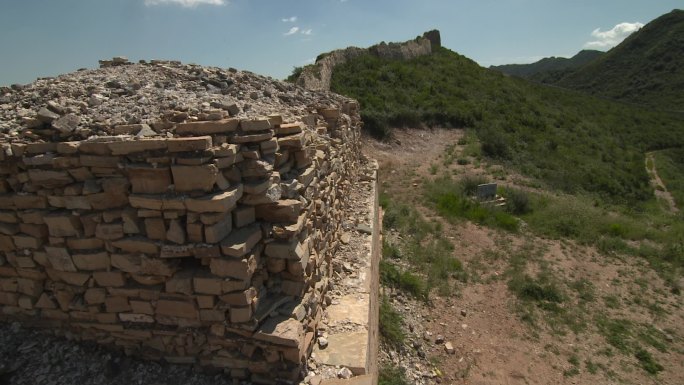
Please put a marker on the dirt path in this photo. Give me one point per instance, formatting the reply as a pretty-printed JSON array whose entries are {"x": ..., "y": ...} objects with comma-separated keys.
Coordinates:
[
  {"x": 494, "y": 343},
  {"x": 657, "y": 183}
]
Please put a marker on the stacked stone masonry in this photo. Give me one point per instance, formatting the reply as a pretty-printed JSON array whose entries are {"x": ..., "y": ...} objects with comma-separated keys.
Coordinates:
[{"x": 210, "y": 244}]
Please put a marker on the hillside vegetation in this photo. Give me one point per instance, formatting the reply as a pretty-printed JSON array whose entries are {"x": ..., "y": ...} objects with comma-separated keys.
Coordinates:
[
  {"x": 546, "y": 65},
  {"x": 646, "y": 68},
  {"x": 568, "y": 140}
]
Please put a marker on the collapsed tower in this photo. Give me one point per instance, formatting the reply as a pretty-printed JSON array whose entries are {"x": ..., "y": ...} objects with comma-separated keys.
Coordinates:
[{"x": 179, "y": 212}]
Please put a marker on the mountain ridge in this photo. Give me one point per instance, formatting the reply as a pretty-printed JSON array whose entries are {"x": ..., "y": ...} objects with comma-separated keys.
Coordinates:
[
  {"x": 646, "y": 68},
  {"x": 549, "y": 64}
]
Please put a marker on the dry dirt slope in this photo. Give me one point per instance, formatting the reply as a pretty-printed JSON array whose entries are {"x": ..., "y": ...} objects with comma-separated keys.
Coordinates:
[{"x": 613, "y": 301}]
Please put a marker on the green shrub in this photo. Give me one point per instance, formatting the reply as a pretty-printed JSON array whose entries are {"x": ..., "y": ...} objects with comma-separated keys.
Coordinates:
[
  {"x": 648, "y": 363},
  {"x": 389, "y": 251},
  {"x": 376, "y": 125},
  {"x": 392, "y": 276},
  {"x": 469, "y": 184},
  {"x": 296, "y": 73},
  {"x": 390, "y": 324},
  {"x": 392, "y": 375},
  {"x": 527, "y": 288},
  {"x": 517, "y": 201}
]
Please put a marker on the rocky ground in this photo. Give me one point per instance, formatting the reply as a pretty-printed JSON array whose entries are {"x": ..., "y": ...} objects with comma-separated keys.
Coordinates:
[{"x": 92, "y": 102}]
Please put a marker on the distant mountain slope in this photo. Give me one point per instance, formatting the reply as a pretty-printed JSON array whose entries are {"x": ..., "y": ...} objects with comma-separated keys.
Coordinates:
[
  {"x": 569, "y": 140},
  {"x": 549, "y": 64},
  {"x": 646, "y": 68}
]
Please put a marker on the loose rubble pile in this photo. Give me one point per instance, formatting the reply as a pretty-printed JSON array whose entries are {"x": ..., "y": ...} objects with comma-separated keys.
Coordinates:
[{"x": 181, "y": 213}]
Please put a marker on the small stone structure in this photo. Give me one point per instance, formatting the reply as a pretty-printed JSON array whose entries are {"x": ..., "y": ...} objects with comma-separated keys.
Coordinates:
[
  {"x": 202, "y": 234},
  {"x": 318, "y": 76}
]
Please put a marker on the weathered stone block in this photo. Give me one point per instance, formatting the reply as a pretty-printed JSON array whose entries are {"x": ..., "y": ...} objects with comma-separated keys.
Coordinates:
[
  {"x": 84, "y": 243},
  {"x": 62, "y": 224},
  {"x": 176, "y": 232},
  {"x": 243, "y": 298},
  {"x": 133, "y": 146},
  {"x": 109, "y": 278},
  {"x": 207, "y": 285},
  {"x": 292, "y": 141},
  {"x": 217, "y": 232},
  {"x": 109, "y": 231},
  {"x": 60, "y": 259},
  {"x": 136, "y": 318},
  {"x": 241, "y": 314},
  {"x": 224, "y": 126},
  {"x": 241, "y": 269},
  {"x": 189, "y": 144},
  {"x": 149, "y": 180},
  {"x": 283, "y": 211},
  {"x": 29, "y": 287},
  {"x": 148, "y": 202},
  {"x": 94, "y": 261},
  {"x": 286, "y": 250},
  {"x": 72, "y": 278},
  {"x": 208, "y": 315},
  {"x": 180, "y": 283},
  {"x": 191, "y": 178},
  {"x": 137, "y": 245},
  {"x": 257, "y": 124},
  {"x": 99, "y": 161},
  {"x": 141, "y": 307},
  {"x": 243, "y": 216},
  {"x": 49, "y": 178},
  {"x": 26, "y": 201},
  {"x": 216, "y": 203},
  {"x": 281, "y": 331},
  {"x": 27, "y": 242},
  {"x": 95, "y": 296},
  {"x": 290, "y": 128},
  {"x": 155, "y": 228},
  {"x": 106, "y": 201},
  {"x": 241, "y": 241},
  {"x": 117, "y": 304},
  {"x": 180, "y": 309}
]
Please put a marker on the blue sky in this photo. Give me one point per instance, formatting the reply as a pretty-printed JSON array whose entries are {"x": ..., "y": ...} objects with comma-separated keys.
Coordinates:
[{"x": 49, "y": 37}]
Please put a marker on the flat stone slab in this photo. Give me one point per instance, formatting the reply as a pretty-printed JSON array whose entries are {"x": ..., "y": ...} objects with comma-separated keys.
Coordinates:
[
  {"x": 352, "y": 308},
  {"x": 358, "y": 380},
  {"x": 345, "y": 349}
]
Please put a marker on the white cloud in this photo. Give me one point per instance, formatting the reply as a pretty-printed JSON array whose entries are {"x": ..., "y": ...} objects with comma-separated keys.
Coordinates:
[
  {"x": 185, "y": 3},
  {"x": 306, "y": 31},
  {"x": 289, "y": 19},
  {"x": 612, "y": 37},
  {"x": 292, "y": 31}
]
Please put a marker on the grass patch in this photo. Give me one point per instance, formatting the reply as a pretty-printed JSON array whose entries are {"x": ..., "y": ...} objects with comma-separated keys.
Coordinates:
[
  {"x": 425, "y": 249},
  {"x": 392, "y": 375},
  {"x": 390, "y": 324},
  {"x": 627, "y": 337},
  {"x": 392, "y": 276},
  {"x": 648, "y": 363},
  {"x": 617, "y": 332},
  {"x": 614, "y": 230},
  {"x": 537, "y": 290},
  {"x": 591, "y": 366},
  {"x": 453, "y": 200}
]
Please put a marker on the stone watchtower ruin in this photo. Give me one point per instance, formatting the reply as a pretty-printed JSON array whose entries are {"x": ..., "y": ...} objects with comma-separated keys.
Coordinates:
[{"x": 177, "y": 212}]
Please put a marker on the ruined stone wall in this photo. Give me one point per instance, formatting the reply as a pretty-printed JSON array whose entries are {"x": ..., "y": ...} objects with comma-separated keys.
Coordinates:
[
  {"x": 318, "y": 76},
  {"x": 210, "y": 243}
]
